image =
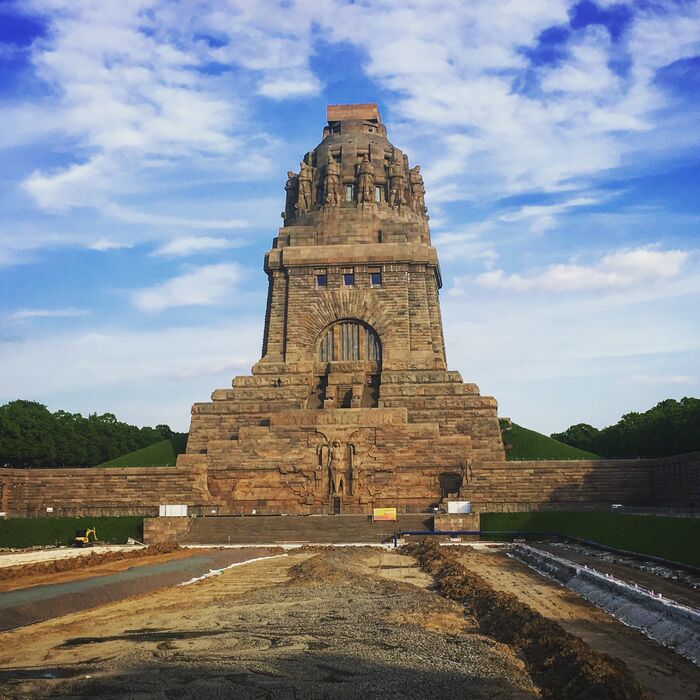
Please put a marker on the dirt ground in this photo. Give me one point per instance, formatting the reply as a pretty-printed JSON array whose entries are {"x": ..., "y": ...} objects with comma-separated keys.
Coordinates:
[
  {"x": 663, "y": 672},
  {"x": 314, "y": 623},
  {"x": 342, "y": 624},
  {"x": 15, "y": 558}
]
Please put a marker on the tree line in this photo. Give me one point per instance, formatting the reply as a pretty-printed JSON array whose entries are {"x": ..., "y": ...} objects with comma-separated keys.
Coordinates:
[
  {"x": 32, "y": 436},
  {"x": 669, "y": 428}
]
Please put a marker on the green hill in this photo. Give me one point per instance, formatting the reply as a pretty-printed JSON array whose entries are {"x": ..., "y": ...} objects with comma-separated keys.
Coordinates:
[
  {"x": 160, "y": 454},
  {"x": 528, "y": 444}
]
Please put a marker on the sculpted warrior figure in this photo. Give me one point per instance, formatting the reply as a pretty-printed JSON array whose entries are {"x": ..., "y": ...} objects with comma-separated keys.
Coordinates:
[
  {"x": 397, "y": 183},
  {"x": 305, "y": 178},
  {"x": 365, "y": 181},
  {"x": 332, "y": 186},
  {"x": 336, "y": 467},
  {"x": 417, "y": 190},
  {"x": 292, "y": 190}
]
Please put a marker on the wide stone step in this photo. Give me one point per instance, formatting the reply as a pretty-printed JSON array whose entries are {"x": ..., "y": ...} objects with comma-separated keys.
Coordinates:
[{"x": 323, "y": 529}]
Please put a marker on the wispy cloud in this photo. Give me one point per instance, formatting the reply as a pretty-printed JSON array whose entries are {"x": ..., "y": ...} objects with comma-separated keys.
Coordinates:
[
  {"x": 140, "y": 217},
  {"x": 619, "y": 270},
  {"x": 24, "y": 314},
  {"x": 105, "y": 244},
  {"x": 202, "y": 286},
  {"x": 191, "y": 245},
  {"x": 542, "y": 217},
  {"x": 663, "y": 379}
]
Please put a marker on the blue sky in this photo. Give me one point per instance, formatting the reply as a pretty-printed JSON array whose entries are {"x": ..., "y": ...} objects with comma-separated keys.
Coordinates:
[{"x": 145, "y": 145}]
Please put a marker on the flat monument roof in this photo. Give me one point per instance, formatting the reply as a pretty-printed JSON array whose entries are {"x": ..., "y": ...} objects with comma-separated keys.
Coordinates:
[{"x": 368, "y": 111}]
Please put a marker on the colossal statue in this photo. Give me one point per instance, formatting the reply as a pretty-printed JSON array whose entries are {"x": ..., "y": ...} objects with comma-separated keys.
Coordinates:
[
  {"x": 365, "y": 181},
  {"x": 415, "y": 179},
  {"x": 397, "y": 183},
  {"x": 305, "y": 179},
  {"x": 332, "y": 186},
  {"x": 292, "y": 189}
]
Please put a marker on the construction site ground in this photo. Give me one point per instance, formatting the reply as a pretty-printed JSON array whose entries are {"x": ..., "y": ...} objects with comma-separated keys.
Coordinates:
[
  {"x": 665, "y": 673},
  {"x": 310, "y": 623}
]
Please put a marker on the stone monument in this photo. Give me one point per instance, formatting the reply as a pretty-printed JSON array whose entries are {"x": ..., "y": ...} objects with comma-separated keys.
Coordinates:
[{"x": 351, "y": 405}]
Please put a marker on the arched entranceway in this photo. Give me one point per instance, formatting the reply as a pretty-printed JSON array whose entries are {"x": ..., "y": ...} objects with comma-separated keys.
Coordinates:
[{"x": 347, "y": 366}]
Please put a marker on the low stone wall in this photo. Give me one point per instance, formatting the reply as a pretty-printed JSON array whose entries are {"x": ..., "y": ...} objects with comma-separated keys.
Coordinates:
[
  {"x": 454, "y": 522},
  {"x": 165, "y": 529},
  {"x": 671, "y": 482},
  {"x": 94, "y": 491},
  {"x": 676, "y": 481},
  {"x": 560, "y": 485}
]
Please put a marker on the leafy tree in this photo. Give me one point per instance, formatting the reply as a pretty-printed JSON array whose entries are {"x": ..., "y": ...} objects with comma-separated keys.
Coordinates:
[
  {"x": 669, "y": 428},
  {"x": 32, "y": 436}
]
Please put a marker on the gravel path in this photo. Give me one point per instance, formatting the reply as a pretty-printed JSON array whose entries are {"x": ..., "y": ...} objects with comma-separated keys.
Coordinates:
[{"x": 342, "y": 623}]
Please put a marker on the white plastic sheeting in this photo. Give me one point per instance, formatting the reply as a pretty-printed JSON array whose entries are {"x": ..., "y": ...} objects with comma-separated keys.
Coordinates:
[
  {"x": 216, "y": 572},
  {"x": 663, "y": 620}
]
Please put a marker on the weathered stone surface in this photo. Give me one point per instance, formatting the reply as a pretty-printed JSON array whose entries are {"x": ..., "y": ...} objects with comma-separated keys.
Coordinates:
[{"x": 351, "y": 405}]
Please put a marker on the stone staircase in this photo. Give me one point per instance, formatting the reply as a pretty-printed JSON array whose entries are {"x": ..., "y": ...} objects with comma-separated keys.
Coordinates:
[{"x": 281, "y": 529}]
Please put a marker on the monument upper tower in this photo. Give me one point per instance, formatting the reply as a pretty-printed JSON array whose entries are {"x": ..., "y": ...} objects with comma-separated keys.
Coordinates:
[
  {"x": 355, "y": 245},
  {"x": 351, "y": 405}
]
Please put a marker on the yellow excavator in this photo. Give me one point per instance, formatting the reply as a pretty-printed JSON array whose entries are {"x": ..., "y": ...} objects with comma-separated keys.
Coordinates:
[{"x": 82, "y": 537}]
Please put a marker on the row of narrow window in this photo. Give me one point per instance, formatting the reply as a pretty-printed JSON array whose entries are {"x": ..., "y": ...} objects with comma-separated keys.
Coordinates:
[{"x": 375, "y": 279}]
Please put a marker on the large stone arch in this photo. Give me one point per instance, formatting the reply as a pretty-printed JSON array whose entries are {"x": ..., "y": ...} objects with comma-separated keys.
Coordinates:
[{"x": 340, "y": 304}]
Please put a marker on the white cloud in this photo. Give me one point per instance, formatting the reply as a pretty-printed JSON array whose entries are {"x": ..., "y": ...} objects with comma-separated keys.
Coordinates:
[
  {"x": 619, "y": 270},
  {"x": 144, "y": 376},
  {"x": 202, "y": 286},
  {"x": 105, "y": 244},
  {"x": 139, "y": 217},
  {"x": 47, "y": 313},
  {"x": 190, "y": 245},
  {"x": 663, "y": 379},
  {"x": 281, "y": 89}
]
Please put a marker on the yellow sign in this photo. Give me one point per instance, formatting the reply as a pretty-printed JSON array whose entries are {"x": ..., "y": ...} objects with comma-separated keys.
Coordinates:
[{"x": 383, "y": 514}]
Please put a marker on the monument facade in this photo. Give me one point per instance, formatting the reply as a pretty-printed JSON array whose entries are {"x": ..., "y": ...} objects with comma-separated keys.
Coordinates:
[{"x": 351, "y": 405}]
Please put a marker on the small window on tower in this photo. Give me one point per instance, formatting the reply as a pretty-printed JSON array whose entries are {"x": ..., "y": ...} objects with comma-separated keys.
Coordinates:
[
  {"x": 348, "y": 278},
  {"x": 375, "y": 279},
  {"x": 321, "y": 280}
]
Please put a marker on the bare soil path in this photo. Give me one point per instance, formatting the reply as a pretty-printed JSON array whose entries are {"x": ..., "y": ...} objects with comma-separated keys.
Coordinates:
[
  {"x": 341, "y": 624},
  {"x": 662, "y": 671}
]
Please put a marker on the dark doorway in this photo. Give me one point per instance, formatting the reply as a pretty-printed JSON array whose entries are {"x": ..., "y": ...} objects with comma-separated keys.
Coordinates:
[
  {"x": 336, "y": 505},
  {"x": 450, "y": 484},
  {"x": 345, "y": 397}
]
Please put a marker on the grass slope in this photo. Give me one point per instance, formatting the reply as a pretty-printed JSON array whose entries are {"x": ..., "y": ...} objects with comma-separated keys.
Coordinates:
[
  {"x": 528, "y": 444},
  {"x": 28, "y": 532},
  {"x": 675, "y": 539},
  {"x": 160, "y": 454}
]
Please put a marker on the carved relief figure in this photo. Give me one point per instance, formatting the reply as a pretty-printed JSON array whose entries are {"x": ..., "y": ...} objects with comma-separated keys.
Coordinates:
[
  {"x": 365, "y": 181},
  {"x": 292, "y": 189},
  {"x": 305, "y": 179},
  {"x": 332, "y": 185},
  {"x": 397, "y": 183},
  {"x": 417, "y": 190},
  {"x": 336, "y": 467}
]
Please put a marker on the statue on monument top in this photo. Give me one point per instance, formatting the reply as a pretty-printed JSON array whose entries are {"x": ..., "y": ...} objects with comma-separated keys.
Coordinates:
[
  {"x": 291, "y": 187},
  {"x": 365, "y": 181},
  {"x": 397, "y": 183},
  {"x": 332, "y": 185},
  {"x": 305, "y": 180},
  {"x": 415, "y": 179}
]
